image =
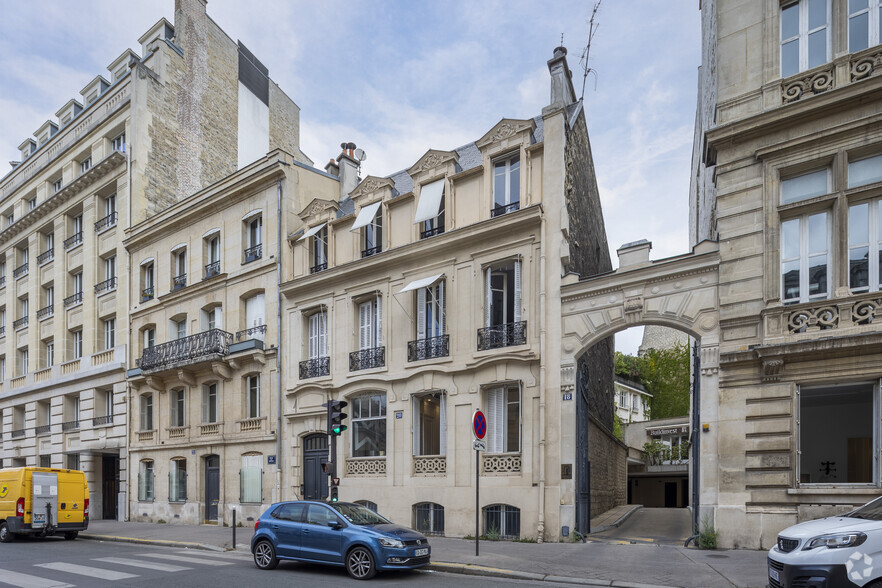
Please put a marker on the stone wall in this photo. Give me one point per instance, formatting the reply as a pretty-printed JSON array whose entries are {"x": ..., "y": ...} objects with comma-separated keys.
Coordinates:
[
  {"x": 284, "y": 123},
  {"x": 609, "y": 468},
  {"x": 162, "y": 162}
]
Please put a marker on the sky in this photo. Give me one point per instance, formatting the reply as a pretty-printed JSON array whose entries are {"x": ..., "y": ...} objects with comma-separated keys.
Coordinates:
[{"x": 398, "y": 78}]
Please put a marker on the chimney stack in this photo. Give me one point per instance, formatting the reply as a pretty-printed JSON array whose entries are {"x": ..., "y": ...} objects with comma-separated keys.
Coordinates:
[
  {"x": 562, "y": 91},
  {"x": 348, "y": 169}
]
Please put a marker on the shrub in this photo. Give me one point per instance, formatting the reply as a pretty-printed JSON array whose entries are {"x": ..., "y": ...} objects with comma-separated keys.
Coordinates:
[{"x": 707, "y": 537}]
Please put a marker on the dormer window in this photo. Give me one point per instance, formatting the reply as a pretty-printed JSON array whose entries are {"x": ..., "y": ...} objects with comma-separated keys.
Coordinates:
[
  {"x": 506, "y": 185},
  {"x": 43, "y": 138},
  {"x": 370, "y": 222},
  {"x": 430, "y": 209},
  {"x": 92, "y": 97}
]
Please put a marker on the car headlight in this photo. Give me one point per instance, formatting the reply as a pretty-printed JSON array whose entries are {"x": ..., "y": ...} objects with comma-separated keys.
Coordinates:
[
  {"x": 385, "y": 542},
  {"x": 836, "y": 540}
]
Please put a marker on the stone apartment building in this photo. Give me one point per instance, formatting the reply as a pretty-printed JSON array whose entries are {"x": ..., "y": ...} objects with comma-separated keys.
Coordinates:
[
  {"x": 420, "y": 296},
  {"x": 788, "y": 179},
  {"x": 190, "y": 110}
]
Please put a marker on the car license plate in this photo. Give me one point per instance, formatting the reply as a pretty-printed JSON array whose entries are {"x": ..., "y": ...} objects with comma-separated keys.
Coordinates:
[
  {"x": 773, "y": 574},
  {"x": 421, "y": 552},
  {"x": 39, "y": 518}
]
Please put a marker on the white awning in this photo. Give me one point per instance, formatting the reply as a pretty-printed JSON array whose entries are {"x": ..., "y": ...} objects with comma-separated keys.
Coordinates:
[
  {"x": 312, "y": 231},
  {"x": 417, "y": 284},
  {"x": 430, "y": 201},
  {"x": 365, "y": 216}
]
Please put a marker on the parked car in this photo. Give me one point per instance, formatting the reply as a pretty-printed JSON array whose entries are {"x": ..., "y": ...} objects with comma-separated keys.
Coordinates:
[
  {"x": 337, "y": 534},
  {"x": 834, "y": 552}
]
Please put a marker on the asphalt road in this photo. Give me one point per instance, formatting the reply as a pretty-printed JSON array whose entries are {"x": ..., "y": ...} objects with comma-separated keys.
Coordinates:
[
  {"x": 662, "y": 526},
  {"x": 56, "y": 563}
]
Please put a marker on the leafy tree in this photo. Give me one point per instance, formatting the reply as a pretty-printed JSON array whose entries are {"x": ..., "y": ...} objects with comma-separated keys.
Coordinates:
[{"x": 665, "y": 374}]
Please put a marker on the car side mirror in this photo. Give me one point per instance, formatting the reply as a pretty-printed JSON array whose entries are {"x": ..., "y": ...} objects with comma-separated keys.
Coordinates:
[{"x": 334, "y": 524}]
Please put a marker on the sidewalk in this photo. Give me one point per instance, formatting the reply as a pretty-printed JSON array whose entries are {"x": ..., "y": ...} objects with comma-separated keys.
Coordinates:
[{"x": 592, "y": 564}]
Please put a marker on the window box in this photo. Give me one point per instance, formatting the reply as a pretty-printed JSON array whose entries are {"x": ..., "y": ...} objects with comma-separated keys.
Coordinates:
[
  {"x": 147, "y": 294},
  {"x": 179, "y": 282}
]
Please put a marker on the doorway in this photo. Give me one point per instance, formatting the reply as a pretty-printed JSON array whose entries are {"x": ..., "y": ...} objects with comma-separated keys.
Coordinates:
[
  {"x": 212, "y": 487},
  {"x": 109, "y": 486},
  {"x": 315, "y": 483}
]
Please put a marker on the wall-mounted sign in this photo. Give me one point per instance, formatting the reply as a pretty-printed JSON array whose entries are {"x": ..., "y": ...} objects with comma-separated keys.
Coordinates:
[
  {"x": 664, "y": 431},
  {"x": 567, "y": 395},
  {"x": 271, "y": 459},
  {"x": 399, "y": 414}
]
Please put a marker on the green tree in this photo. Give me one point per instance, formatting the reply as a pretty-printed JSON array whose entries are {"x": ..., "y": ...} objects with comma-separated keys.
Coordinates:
[{"x": 665, "y": 374}]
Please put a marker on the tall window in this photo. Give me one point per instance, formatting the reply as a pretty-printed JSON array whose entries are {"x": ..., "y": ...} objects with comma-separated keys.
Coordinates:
[
  {"x": 110, "y": 205},
  {"x": 864, "y": 24},
  {"x": 506, "y": 185},
  {"x": 428, "y": 518},
  {"x": 504, "y": 419},
  {"x": 178, "y": 328},
  {"x": 369, "y": 425},
  {"x": 118, "y": 143},
  {"x": 503, "y": 295},
  {"x": 805, "y": 38},
  {"x": 502, "y": 520},
  {"x": 370, "y": 323},
  {"x": 85, "y": 165},
  {"x": 179, "y": 265},
  {"x": 320, "y": 250},
  {"x": 78, "y": 283},
  {"x": 49, "y": 353},
  {"x": 430, "y": 209},
  {"x": 177, "y": 480},
  {"x": 805, "y": 186},
  {"x": 431, "y": 319},
  {"x": 805, "y": 243},
  {"x": 110, "y": 271},
  {"x": 430, "y": 424},
  {"x": 252, "y": 399},
  {"x": 254, "y": 238},
  {"x": 251, "y": 478},
  {"x": 22, "y": 361},
  {"x": 212, "y": 318},
  {"x": 255, "y": 315},
  {"x": 78, "y": 227},
  {"x": 209, "y": 403},
  {"x": 145, "y": 481},
  {"x": 149, "y": 337},
  {"x": 372, "y": 235},
  {"x": 177, "y": 408},
  {"x": 77, "y": 343},
  {"x": 146, "y": 412},
  {"x": 864, "y": 246},
  {"x": 109, "y": 333},
  {"x": 147, "y": 281},
  {"x": 318, "y": 335},
  {"x": 212, "y": 263},
  {"x": 862, "y": 172}
]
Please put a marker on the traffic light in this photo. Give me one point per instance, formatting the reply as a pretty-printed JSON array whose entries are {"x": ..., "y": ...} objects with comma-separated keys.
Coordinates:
[
  {"x": 334, "y": 497},
  {"x": 336, "y": 416}
]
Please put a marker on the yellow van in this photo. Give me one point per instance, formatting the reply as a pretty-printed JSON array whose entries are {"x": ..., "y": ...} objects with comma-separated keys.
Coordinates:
[{"x": 42, "y": 501}]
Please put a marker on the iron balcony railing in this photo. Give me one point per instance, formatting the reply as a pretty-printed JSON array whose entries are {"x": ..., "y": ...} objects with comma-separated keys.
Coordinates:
[
  {"x": 254, "y": 253},
  {"x": 502, "y": 336},
  {"x": 47, "y": 255},
  {"x": 499, "y": 209},
  {"x": 249, "y": 332},
  {"x": 75, "y": 298},
  {"x": 315, "y": 367},
  {"x": 102, "y": 420},
  {"x": 70, "y": 425},
  {"x": 106, "y": 222},
  {"x": 3, "y": 331},
  {"x": 318, "y": 268},
  {"x": 428, "y": 348},
  {"x": 46, "y": 311},
  {"x": 106, "y": 285},
  {"x": 147, "y": 294},
  {"x": 179, "y": 282},
  {"x": 2, "y": 281},
  {"x": 212, "y": 269},
  {"x": 19, "y": 323},
  {"x": 73, "y": 240},
  {"x": 42, "y": 429},
  {"x": 18, "y": 433},
  {"x": 367, "y": 358},
  {"x": 190, "y": 349},
  {"x": 20, "y": 271},
  {"x": 371, "y": 251},
  {"x": 432, "y": 232}
]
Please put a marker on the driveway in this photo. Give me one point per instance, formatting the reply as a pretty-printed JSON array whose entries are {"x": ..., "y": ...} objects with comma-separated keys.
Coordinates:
[{"x": 662, "y": 526}]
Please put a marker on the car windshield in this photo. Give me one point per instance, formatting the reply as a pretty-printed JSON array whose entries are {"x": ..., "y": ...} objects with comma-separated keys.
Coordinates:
[
  {"x": 359, "y": 515},
  {"x": 871, "y": 510}
]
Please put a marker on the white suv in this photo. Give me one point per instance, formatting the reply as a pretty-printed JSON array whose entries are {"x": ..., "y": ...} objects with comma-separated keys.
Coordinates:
[{"x": 841, "y": 551}]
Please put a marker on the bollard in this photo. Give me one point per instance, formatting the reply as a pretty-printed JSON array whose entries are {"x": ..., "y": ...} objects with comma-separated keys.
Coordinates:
[{"x": 234, "y": 529}]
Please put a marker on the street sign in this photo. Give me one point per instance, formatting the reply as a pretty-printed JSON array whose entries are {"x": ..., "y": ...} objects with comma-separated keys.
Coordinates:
[
  {"x": 479, "y": 445},
  {"x": 479, "y": 424}
]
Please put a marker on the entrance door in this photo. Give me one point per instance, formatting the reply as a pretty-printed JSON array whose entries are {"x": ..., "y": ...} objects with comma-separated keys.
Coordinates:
[
  {"x": 212, "y": 487},
  {"x": 109, "y": 486},
  {"x": 315, "y": 483},
  {"x": 670, "y": 494}
]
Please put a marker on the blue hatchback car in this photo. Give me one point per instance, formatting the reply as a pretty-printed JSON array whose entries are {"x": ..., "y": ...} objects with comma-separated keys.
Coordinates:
[{"x": 338, "y": 534}]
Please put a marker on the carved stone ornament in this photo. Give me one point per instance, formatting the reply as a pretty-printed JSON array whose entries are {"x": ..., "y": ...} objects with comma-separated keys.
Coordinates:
[
  {"x": 370, "y": 185},
  {"x": 634, "y": 304},
  {"x": 772, "y": 369},
  {"x": 431, "y": 160},
  {"x": 866, "y": 66},
  {"x": 315, "y": 207},
  {"x": 504, "y": 131},
  {"x": 810, "y": 85}
]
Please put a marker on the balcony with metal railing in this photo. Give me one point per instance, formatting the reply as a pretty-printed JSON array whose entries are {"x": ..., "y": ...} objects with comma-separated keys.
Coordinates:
[
  {"x": 499, "y": 209},
  {"x": 106, "y": 222},
  {"x": 505, "y": 335},
  {"x": 41, "y": 430},
  {"x": 102, "y": 420},
  {"x": 315, "y": 367},
  {"x": 70, "y": 425},
  {"x": 3, "y": 331},
  {"x": 179, "y": 282},
  {"x": 205, "y": 346},
  {"x": 20, "y": 323},
  {"x": 428, "y": 348},
  {"x": 18, "y": 433},
  {"x": 254, "y": 253},
  {"x": 432, "y": 232},
  {"x": 367, "y": 358},
  {"x": 20, "y": 271},
  {"x": 46, "y": 256},
  {"x": 320, "y": 267},
  {"x": 256, "y": 332},
  {"x": 2, "y": 281},
  {"x": 212, "y": 269},
  {"x": 371, "y": 251},
  {"x": 105, "y": 286},
  {"x": 147, "y": 294},
  {"x": 46, "y": 312},
  {"x": 73, "y": 240},
  {"x": 75, "y": 298}
]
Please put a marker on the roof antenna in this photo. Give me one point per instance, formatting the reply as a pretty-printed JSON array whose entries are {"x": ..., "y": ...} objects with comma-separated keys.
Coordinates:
[{"x": 583, "y": 60}]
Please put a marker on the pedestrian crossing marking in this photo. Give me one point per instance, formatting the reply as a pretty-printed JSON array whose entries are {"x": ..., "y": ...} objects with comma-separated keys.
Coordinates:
[
  {"x": 28, "y": 581},
  {"x": 92, "y": 572},
  {"x": 181, "y": 558},
  {"x": 137, "y": 563},
  {"x": 218, "y": 554}
]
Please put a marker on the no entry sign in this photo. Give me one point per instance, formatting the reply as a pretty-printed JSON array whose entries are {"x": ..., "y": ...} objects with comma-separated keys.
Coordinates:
[{"x": 479, "y": 424}]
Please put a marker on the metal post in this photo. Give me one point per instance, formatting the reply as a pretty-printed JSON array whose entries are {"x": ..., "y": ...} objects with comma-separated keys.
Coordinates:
[
  {"x": 234, "y": 528},
  {"x": 477, "y": 499},
  {"x": 333, "y": 462}
]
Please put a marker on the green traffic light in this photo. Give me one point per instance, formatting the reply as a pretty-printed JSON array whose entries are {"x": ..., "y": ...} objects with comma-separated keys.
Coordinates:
[
  {"x": 339, "y": 429},
  {"x": 334, "y": 499}
]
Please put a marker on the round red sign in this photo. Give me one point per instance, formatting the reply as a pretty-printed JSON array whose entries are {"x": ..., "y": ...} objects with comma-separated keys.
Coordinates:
[{"x": 479, "y": 424}]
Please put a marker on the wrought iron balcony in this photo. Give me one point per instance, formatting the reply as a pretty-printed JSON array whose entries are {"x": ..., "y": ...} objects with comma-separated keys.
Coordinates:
[
  {"x": 47, "y": 255},
  {"x": 46, "y": 311},
  {"x": 371, "y": 251},
  {"x": 318, "y": 268},
  {"x": 212, "y": 269},
  {"x": 502, "y": 336},
  {"x": 42, "y": 430},
  {"x": 254, "y": 253},
  {"x": 18, "y": 433},
  {"x": 20, "y": 271},
  {"x": 147, "y": 294},
  {"x": 428, "y": 348},
  {"x": 2, "y": 281},
  {"x": 250, "y": 332},
  {"x": 102, "y": 420},
  {"x": 315, "y": 367},
  {"x": 20, "y": 323},
  {"x": 3, "y": 331},
  {"x": 70, "y": 425},
  {"x": 367, "y": 358},
  {"x": 201, "y": 346},
  {"x": 499, "y": 210},
  {"x": 431, "y": 232},
  {"x": 106, "y": 285},
  {"x": 179, "y": 282},
  {"x": 75, "y": 298},
  {"x": 73, "y": 240},
  {"x": 106, "y": 222}
]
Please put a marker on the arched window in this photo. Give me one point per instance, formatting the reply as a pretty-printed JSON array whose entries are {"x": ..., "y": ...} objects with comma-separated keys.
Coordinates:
[
  {"x": 502, "y": 521},
  {"x": 428, "y": 518}
]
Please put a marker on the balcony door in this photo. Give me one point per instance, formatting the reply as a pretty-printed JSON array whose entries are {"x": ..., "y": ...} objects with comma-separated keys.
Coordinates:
[{"x": 255, "y": 315}]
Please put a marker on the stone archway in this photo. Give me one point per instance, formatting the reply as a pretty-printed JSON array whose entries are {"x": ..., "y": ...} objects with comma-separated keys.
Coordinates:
[{"x": 679, "y": 292}]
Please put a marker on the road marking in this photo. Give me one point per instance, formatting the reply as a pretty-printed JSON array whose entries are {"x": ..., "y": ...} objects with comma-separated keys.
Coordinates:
[
  {"x": 205, "y": 562},
  {"x": 136, "y": 563},
  {"x": 29, "y": 581},
  {"x": 100, "y": 573},
  {"x": 218, "y": 554}
]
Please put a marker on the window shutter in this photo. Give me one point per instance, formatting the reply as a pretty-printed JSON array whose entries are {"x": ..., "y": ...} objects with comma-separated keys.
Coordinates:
[
  {"x": 379, "y": 302},
  {"x": 313, "y": 335},
  {"x": 365, "y": 316},
  {"x": 443, "y": 425},
  {"x": 495, "y": 420},
  {"x": 417, "y": 415},
  {"x": 517, "y": 291},
  {"x": 488, "y": 297},
  {"x": 218, "y": 318},
  {"x": 442, "y": 306},
  {"x": 323, "y": 334},
  {"x": 421, "y": 313}
]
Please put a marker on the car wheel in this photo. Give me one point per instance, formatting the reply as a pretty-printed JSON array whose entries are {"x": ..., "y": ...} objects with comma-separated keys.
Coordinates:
[
  {"x": 360, "y": 564},
  {"x": 5, "y": 535},
  {"x": 71, "y": 535},
  {"x": 265, "y": 556}
]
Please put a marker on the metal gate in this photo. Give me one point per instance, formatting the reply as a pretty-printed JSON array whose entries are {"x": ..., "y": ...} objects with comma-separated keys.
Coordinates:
[{"x": 315, "y": 483}]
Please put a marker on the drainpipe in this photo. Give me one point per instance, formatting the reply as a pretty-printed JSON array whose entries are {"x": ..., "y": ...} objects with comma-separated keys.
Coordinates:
[
  {"x": 540, "y": 528},
  {"x": 279, "y": 343}
]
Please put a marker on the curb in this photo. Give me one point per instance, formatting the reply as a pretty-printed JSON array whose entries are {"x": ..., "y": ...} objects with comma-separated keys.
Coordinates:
[
  {"x": 617, "y": 524},
  {"x": 161, "y": 542},
  {"x": 476, "y": 570}
]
